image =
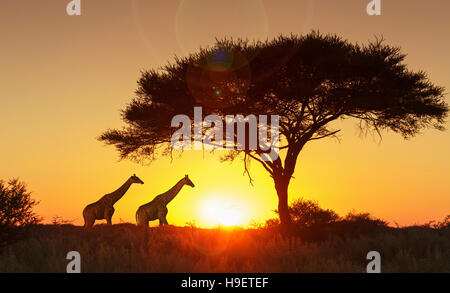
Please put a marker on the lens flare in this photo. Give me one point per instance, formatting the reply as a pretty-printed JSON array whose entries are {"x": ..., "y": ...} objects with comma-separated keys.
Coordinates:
[
  {"x": 180, "y": 27},
  {"x": 233, "y": 18},
  {"x": 220, "y": 79}
]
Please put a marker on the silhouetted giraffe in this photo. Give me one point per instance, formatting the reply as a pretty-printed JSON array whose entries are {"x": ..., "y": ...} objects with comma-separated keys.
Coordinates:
[
  {"x": 157, "y": 208},
  {"x": 104, "y": 207}
]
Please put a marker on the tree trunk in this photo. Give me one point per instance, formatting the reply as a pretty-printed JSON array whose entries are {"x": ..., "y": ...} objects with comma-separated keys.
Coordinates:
[{"x": 281, "y": 185}]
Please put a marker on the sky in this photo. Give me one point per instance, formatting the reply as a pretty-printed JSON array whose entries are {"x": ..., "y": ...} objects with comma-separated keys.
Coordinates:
[{"x": 64, "y": 80}]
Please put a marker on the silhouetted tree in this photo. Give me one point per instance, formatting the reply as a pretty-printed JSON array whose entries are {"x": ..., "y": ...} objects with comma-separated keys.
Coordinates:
[
  {"x": 16, "y": 211},
  {"x": 313, "y": 223},
  {"x": 309, "y": 81},
  {"x": 356, "y": 224},
  {"x": 308, "y": 213}
]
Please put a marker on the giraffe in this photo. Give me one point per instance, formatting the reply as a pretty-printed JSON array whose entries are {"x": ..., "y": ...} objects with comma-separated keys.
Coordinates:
[
  {"x": 104, "y": 207},
  {"x": 157, "y": 208}
]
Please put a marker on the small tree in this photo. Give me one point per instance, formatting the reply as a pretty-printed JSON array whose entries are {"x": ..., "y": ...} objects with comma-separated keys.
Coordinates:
[
  {"x": 309, "y": 81},
  {"x": 16, "y": 210},
  {"x": 308, "y": 213}
]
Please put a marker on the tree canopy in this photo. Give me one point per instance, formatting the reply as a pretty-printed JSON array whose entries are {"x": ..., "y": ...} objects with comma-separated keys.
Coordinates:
[{"x": 309, "y": 81}]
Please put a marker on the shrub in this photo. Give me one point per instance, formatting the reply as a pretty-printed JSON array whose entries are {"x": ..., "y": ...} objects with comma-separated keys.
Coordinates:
[
  {"x": 357, "y": 224},
  {"x": 16, "y": 211},
  {"x": 308, "y": 213},
  {"x": 313, "y": 223}
]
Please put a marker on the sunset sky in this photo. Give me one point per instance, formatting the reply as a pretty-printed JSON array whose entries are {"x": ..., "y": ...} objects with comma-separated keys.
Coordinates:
[{"x": 64, "y": 79}]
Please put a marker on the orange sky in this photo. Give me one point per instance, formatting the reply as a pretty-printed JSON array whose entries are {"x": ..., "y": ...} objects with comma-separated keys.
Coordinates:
[{"x": 64, "y": 79}]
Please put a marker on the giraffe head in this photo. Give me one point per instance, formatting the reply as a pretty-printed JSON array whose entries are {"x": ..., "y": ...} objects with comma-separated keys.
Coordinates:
[
  {"x": 188, "y": 181},
  {"x": 135, "y": 179}
]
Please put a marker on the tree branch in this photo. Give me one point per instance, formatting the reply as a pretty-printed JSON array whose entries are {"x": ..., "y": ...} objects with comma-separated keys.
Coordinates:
[
  {"x": 265, "y": 164},
  {"x": 326, "y": 135},
  {"x": 246, "y": 170}
]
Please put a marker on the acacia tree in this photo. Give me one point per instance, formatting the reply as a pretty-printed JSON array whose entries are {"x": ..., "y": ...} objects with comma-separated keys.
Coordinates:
[
  {"x": 16, "y": 211},
  {"x": 309, "y": 81}
]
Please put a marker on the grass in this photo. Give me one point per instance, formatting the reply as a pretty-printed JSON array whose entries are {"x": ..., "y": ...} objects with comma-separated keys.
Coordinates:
[{"x": 126, "y": 248}]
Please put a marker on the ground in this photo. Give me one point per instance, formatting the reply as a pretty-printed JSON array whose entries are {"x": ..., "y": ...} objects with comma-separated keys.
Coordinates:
[{"x": 128, "y": 248}]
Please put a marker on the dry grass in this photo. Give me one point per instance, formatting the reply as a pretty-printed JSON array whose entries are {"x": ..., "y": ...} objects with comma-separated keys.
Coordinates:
[{"x": 127, "y": 248}]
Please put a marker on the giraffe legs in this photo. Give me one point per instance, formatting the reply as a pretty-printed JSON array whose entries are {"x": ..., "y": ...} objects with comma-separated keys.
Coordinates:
[
  {"x": 163, "y": 221},
  {"x": 162, "y": 212},
  {"x": 141, "y": 217},
  {"x": 108, "y": 215},
  {"x": 88, "y": 222},
  {"x": 89, "y": 217}
]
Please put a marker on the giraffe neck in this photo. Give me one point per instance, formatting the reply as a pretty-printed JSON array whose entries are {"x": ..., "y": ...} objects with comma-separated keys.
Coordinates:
[
  {"x": 116, "y": 195},
  {"x": 171, "y": 193}
]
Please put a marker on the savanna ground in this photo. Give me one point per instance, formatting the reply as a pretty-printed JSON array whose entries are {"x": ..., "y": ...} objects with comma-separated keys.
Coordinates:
[{"x": 127, "y": 248}]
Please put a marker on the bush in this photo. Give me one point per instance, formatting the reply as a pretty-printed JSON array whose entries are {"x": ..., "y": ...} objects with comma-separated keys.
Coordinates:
[
  {"x": 313, "y": 223},
  {"x": 308, "y": 213},
  {"x": 357, "y": 224},
  {"x": 16, "y": 211}
]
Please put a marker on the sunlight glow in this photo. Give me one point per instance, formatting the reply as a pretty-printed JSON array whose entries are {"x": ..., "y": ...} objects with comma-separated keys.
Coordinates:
[{"x": 217, "y": 211}]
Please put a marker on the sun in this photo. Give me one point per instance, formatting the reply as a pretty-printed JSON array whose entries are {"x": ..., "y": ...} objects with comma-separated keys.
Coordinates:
[{"x": 218, "y": 211}]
